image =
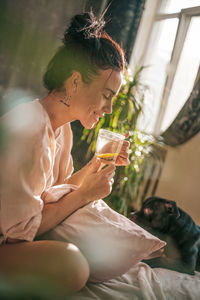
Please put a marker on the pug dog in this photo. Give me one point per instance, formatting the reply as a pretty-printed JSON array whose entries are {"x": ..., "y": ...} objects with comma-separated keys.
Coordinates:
[{"x": 164, "y": 219}]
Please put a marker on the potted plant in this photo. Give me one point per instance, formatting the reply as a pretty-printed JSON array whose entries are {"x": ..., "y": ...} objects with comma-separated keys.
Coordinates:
[{"x": 127, "y": 107}]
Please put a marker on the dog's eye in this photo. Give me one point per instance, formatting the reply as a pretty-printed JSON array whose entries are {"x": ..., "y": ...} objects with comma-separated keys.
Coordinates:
[{"x": 169, "y": 208}]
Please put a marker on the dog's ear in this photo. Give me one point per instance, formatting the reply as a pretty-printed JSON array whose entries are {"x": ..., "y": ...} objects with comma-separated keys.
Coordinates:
[{"x": 172, "y": 208}]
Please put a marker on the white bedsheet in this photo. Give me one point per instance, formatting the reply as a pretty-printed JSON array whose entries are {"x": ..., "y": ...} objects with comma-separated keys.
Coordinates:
[{"x": 144, "y": 283}]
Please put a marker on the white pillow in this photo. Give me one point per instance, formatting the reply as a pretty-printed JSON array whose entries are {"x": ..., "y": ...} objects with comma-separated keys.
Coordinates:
[{"x": 111, "y": 243}]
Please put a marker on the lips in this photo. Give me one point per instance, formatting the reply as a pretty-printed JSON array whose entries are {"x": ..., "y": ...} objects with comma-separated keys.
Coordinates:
[{"x": 97, "y": 116}]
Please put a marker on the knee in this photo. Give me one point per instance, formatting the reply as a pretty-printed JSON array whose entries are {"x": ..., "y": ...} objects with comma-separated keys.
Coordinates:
[
  {"x": 73, "y": 268},
  {"x": 78, "y": 269},
  {"x": 60, "y": 264}
]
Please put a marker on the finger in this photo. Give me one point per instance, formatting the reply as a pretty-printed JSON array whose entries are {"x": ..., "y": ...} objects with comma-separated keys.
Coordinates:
[
  {"x": 125, "y": 147},
  {"x": 110, "y": 175},
  {"x": 95, "y": 165},
  {"x": 127, "y": 134},
  {"x": 106, "y": 162},
  {"x": 111, "y": 181},
  {"x": 108, "y": 169},
  {"x": 93, "y": 161},
  {"x": 126, "y": 144},
  {"x": 122, "y": 162},
  {"x": 123, "y": 155}
]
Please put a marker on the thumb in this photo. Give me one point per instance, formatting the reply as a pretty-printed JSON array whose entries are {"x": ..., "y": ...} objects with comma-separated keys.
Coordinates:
[
  {"x": 127, "y": 134},
  {"x": 95, "y": 165}
]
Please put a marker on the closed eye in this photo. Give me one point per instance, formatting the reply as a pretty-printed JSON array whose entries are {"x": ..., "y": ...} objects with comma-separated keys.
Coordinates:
[{"x": 107, "y": 98}]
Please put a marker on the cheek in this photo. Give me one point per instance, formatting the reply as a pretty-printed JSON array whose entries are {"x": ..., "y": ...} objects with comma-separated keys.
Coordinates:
[
  {"x": 84, "y": 106},
  {"x": 89, "y": 101},
  {"x": 93, "y": 97},
  {"x": 94, "y": 106}
]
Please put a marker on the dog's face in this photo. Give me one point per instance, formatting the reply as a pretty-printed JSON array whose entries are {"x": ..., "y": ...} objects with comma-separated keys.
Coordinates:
[{"x": 156, "y": 213}]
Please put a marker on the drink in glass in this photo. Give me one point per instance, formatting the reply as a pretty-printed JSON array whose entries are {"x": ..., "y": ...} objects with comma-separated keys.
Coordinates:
[{"x": 108, "y": 145}]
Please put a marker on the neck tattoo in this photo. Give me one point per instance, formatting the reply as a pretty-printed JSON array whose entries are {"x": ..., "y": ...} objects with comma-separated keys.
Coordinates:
[{"x": 65, "y": 103}]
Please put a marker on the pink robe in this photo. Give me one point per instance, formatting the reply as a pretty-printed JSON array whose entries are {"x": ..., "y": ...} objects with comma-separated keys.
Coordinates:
[{"x": 35, "y": 164}]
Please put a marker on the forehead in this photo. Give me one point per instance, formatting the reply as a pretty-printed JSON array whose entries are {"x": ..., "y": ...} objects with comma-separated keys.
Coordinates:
[
  {"x": 109, "y": 79},
  {"x": 153, "y": 203}
]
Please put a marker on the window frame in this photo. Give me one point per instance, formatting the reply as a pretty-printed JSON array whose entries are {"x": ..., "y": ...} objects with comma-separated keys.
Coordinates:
[
  {"x": 185, "y": 16},
  {"x": 141, "y": 47}
]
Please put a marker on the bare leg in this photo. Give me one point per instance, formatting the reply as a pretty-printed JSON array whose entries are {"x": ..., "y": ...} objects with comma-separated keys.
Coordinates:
[{"x": 58, "y": 264}]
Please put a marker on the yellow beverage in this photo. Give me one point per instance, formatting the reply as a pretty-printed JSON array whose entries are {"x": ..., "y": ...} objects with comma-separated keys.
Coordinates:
[
  {"x": 107, "y": 156},
  {"x": 108, "y": 145}
]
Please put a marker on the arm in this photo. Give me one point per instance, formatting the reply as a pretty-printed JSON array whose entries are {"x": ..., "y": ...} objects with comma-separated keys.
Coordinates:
[
  {"x": 122, "y": 160},
  {"x": 54, "y": 213},
  {"x": 78, "y": 177},
  {"x": 96, "y": 185}
]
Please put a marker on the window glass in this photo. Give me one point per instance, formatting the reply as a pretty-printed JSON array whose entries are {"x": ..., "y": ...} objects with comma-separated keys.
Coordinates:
[
  {"x": 154, "y": 76},
  {"x": 174, "y": 6},
  {"x": 186, "y": 73}
]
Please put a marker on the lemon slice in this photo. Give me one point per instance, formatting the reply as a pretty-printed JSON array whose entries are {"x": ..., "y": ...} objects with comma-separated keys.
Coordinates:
[{"x": 107, "y": 155}]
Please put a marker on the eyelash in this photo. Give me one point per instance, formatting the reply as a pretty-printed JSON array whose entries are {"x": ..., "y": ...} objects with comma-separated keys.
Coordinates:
[{"x": 107, "y": 98}]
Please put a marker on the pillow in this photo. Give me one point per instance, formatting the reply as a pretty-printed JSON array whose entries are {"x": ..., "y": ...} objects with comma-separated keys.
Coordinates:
[{"x": 111, "y": 243}]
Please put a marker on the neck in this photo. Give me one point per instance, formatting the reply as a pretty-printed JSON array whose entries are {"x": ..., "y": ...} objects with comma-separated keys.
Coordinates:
[{"x": 59, "y": 114}]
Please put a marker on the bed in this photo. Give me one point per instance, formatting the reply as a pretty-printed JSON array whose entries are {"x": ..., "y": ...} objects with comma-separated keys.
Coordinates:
[
  {"x": 115, "y": 248},
  {"x": 143, "y": 282}
]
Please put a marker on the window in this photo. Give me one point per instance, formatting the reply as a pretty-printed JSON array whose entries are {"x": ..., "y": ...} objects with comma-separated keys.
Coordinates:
[{"x": 173, "y": 57}]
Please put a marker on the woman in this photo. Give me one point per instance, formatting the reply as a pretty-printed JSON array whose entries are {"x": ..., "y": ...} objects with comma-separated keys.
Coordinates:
[{"x": 82, "y": 79}]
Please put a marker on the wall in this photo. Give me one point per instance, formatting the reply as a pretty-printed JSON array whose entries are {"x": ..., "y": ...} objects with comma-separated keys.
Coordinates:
[
  {"x": 30, "y": 33},
  {"x": 180, "y": 178}
]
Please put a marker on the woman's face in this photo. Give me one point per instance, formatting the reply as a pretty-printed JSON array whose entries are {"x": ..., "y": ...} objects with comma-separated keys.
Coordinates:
[{"x": 91, "y": 101}]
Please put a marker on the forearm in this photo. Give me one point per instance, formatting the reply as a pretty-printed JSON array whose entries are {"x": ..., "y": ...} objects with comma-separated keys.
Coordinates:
[
  {"x": 78, "y": 177},
  {"x": 54, "y": 213}
]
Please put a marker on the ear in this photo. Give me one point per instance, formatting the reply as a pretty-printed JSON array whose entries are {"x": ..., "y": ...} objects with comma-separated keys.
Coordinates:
[{"x": 76, "y": 81}]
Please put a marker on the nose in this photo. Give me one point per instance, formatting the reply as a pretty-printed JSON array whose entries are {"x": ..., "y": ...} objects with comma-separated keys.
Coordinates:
[
  {"x": 108, "y": 108},
  {"x": 133, "y": 216}
]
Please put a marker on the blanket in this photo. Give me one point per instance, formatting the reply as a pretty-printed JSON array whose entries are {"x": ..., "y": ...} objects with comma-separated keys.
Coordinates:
[{"x": 144, "y": 283}]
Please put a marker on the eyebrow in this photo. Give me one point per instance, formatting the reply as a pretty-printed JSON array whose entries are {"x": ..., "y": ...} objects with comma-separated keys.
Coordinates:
[{"x": 110, "y": 90}]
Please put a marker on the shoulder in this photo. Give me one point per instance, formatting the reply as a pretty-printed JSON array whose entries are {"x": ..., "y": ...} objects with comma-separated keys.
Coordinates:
[
  {"x": 67, "y": 129},
  {"x": 66, "y": 136},
  {"x": 27, "y": 120}
]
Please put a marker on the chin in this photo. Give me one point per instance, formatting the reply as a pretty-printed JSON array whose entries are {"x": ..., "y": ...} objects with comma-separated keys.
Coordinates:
[{"x": 88, "y": 125}]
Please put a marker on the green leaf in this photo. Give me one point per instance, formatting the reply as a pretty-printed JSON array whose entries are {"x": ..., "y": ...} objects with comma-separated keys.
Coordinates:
[
  {"x": 130, "y": 110},
  {"x": 127, "y": 106},
  {"x": 124, "y": 112}
]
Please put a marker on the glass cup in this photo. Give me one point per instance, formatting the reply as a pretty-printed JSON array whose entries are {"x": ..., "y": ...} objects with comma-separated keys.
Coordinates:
[{"x": 108, "y": 145}]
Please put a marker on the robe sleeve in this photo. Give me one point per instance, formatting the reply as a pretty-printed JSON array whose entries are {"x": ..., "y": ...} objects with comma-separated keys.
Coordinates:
[
  {"x": 66, "y": 161},
  {"x": 23, "y": 160}
]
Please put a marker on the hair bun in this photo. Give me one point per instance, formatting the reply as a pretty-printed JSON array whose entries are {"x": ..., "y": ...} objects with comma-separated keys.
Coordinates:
[{"x": 84, "y": 26}]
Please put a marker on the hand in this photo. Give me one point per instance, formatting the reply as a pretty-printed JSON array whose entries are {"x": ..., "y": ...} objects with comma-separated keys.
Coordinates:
[
  {"x": 122, "y": 158},
  {"x": 97, "y": 185}
]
